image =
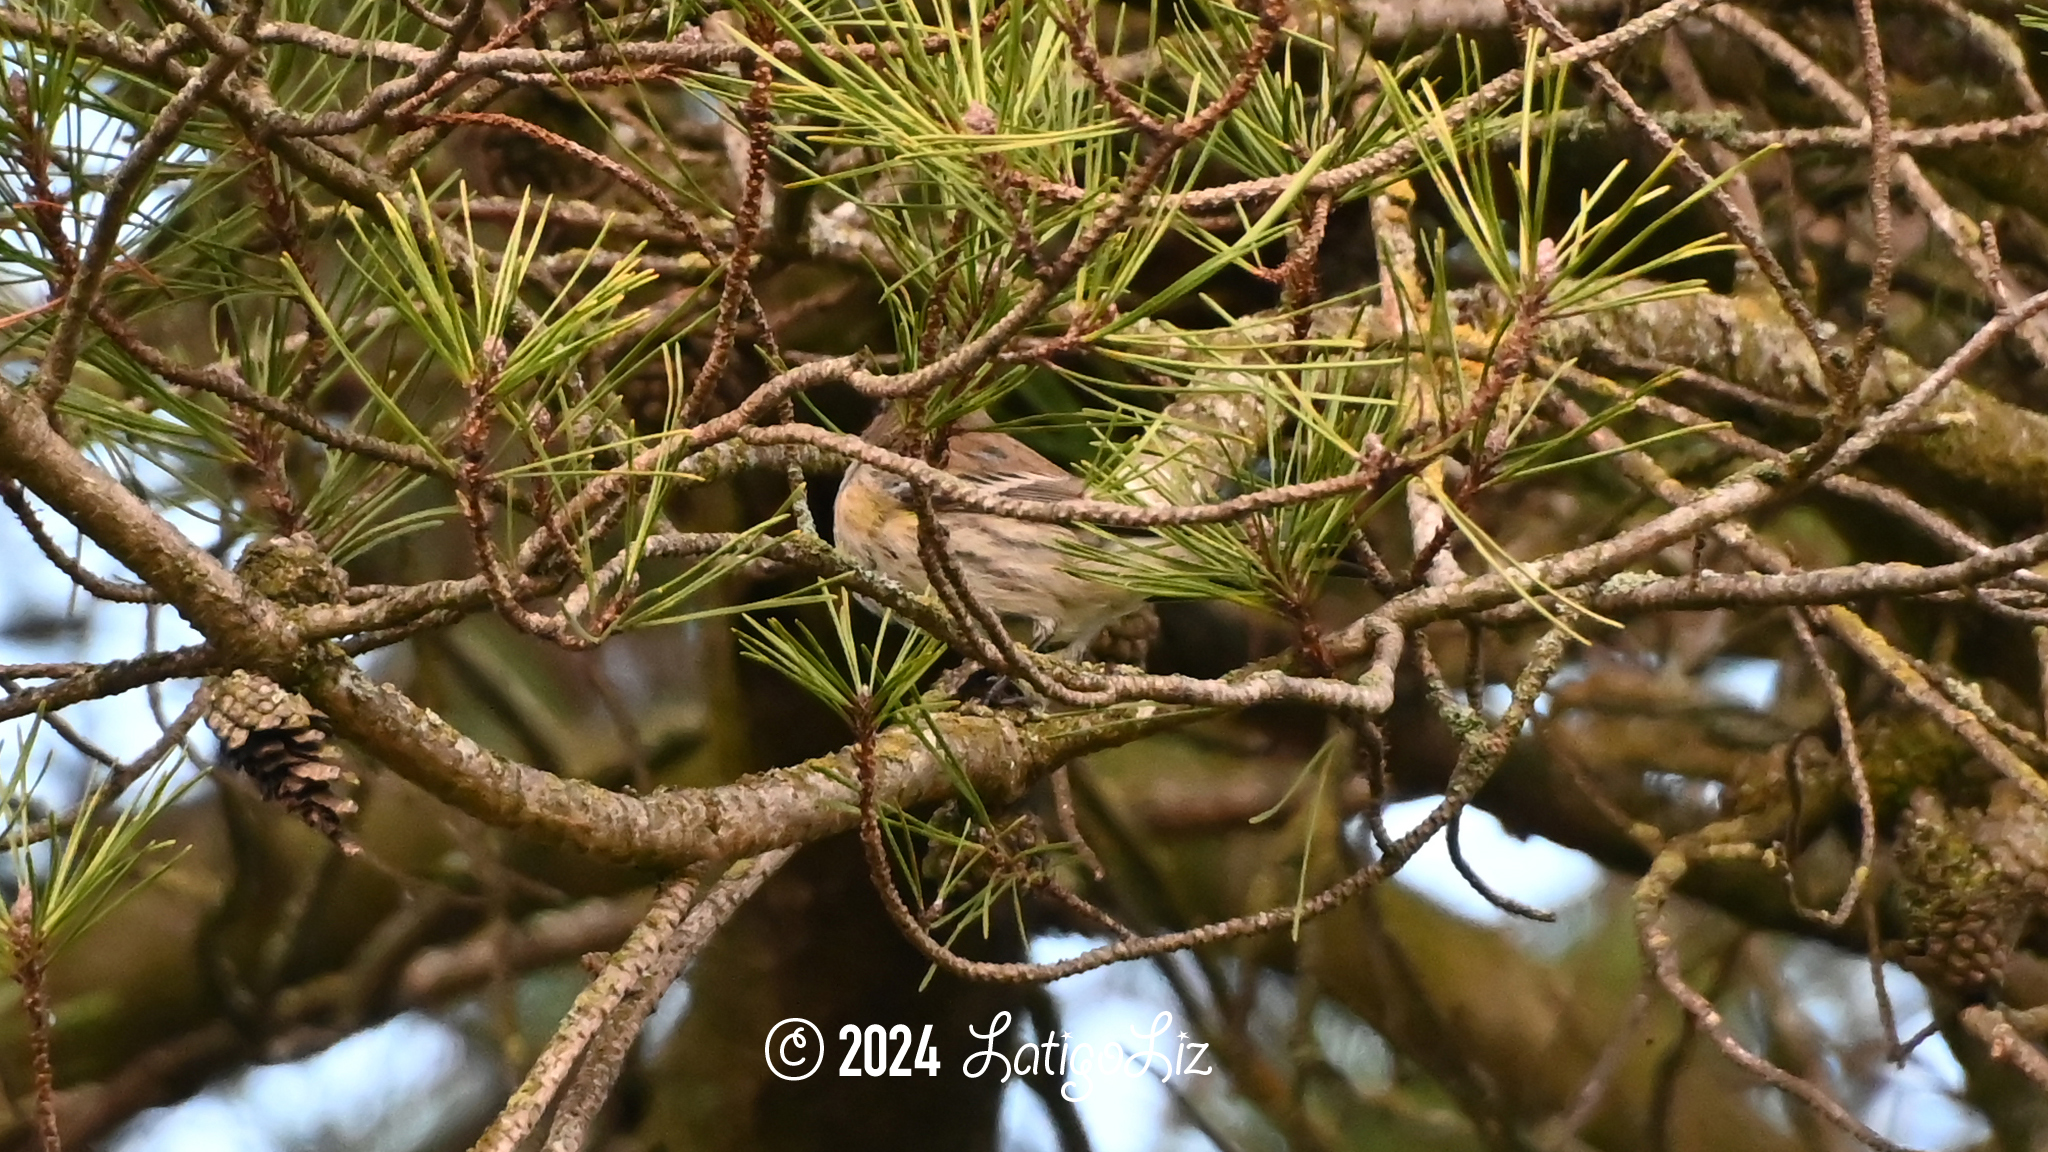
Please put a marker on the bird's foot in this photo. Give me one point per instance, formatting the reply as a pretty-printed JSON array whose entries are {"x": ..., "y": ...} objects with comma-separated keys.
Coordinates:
[{"x": 994, "y": 690}]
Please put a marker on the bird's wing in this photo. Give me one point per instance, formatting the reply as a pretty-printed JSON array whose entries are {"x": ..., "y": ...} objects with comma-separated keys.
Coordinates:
[
  {"x": 1010, "y": 485},
  {"x": 1004, "y": 466},
  {"x": 1046, "y": 487}
]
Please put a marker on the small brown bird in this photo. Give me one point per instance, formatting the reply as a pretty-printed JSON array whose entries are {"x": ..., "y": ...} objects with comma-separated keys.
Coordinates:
[{"x": 1021, "y": 571}]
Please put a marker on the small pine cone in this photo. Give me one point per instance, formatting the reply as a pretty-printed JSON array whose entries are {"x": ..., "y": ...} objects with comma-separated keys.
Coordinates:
[
  {"x": 1963, "y": 915},
  {"x": 279, "y": 741},
  {"x": 1127, "y": 640},
  {"x": 1969, "y": 963},
  {"x": 292, "y": 569},
  {"x": 2014, "y": 831}
]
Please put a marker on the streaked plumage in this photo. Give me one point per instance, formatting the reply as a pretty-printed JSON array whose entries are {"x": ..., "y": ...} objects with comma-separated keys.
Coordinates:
[{"x": 1021, "y": 571}]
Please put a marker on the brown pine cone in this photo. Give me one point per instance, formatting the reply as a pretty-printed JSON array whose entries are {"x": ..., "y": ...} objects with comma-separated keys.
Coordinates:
[
  {"x": 274, "y": 737},
  {"x": 1963, "y": 913},
  {"x": 280, "y": 742}
]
